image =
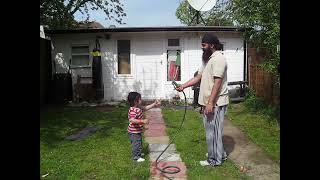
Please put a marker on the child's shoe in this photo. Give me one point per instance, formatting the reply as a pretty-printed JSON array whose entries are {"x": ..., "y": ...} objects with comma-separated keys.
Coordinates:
[{"x": 140, "y": 160}]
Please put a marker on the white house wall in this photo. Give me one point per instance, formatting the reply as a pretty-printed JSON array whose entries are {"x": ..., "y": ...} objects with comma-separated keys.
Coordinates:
[{"x": 148, "y": 59}]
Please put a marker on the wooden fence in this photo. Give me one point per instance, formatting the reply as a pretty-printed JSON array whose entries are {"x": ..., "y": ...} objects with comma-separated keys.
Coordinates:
[{"x": 262, "y": 82}]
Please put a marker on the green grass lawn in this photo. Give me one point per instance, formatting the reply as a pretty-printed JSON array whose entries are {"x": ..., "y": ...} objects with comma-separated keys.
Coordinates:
[
  {"x": 105, "y": 154},
  {"x": 260, "y": 129},
  {"x": 191, "y": 145}
]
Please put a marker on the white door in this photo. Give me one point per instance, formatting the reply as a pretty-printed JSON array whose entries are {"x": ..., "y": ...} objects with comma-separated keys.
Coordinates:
[{"x": 148, "y": 66}]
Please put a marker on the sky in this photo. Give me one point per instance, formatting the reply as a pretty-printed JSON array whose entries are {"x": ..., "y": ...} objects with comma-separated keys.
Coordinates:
[{"x": 141, "y": 13}]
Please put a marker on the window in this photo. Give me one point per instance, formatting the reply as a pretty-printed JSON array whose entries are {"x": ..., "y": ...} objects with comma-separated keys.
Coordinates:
[
  {"x": 222, "y": 47},
  {"x": 80, "y": 55},
  {"x": 173, "y": 42},
  {"x": 174, "y": 65},
  {"x": 124, "y": 63}
]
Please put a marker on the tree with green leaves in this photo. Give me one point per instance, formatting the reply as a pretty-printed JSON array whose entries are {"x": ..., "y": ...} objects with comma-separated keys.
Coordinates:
[
  {"x": 261, "y": 19},
  {"x": 59, "y": 14}
]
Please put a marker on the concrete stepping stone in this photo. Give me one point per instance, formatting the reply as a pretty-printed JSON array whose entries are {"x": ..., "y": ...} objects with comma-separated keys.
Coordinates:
[
  {"x": 155, "y": 110},
  {"x": 166, "y": 156},
  {"x": 158, "y": 126},
  {"x": 157, "y": 140},
  {"x": 155, "y": 132},
  {"x": 161, "y": 147}
]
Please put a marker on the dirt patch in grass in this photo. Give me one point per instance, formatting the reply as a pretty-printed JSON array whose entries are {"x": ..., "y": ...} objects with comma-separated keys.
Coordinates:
[{"x": 106, "y": 108}]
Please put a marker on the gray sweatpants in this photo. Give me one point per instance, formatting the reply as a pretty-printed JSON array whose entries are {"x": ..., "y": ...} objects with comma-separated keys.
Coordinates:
[{"x": 213, "y": 124}]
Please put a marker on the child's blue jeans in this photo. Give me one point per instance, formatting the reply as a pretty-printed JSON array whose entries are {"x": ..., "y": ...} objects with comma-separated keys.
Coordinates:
[{"x": 136, "y": 142}]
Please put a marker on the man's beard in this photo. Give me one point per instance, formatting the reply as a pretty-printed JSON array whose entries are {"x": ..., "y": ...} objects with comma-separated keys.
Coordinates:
[{"x": 206, "y": 54}]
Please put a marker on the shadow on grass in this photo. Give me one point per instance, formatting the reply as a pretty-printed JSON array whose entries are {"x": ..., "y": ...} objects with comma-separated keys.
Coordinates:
[
  {"x": 228, "y": 143},
  {"x": 57, "y": 123}
]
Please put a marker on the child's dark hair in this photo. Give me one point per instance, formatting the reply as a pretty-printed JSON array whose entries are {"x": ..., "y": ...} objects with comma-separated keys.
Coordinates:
[{"x": 133, "y": 96}]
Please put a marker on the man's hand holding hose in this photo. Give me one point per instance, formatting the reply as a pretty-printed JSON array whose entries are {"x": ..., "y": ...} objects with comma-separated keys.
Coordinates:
[
  {"x": 180, "y": 88},
  {"x": 189, "y": 83}
]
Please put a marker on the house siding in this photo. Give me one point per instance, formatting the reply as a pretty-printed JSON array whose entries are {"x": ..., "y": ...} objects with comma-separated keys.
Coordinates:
[{"x": 148, "y": 61}]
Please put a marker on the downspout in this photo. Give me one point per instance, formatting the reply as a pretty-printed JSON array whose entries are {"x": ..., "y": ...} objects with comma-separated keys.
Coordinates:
[
  {"x": 245, "y": 67},
  {"x": 245, "y": 61}
]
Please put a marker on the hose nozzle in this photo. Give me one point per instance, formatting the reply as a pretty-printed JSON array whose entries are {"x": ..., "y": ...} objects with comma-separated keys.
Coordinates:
[{"x": 176, "y": 85}]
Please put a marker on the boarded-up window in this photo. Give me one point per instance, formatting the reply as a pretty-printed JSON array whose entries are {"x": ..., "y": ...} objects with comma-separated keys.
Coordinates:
[
  {"x": 174, "y": 65},
  {"x": 124, "y": 62},
  {"x": 80, "y": 55}
]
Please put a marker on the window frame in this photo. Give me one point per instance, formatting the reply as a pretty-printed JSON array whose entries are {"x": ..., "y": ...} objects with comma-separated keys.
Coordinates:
[
  {"x": 117, "y": 75},
  {"x": 173, "y": 48},
  {"x": 80, "y": 54},
  {"x": 223, "y": 43}
]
